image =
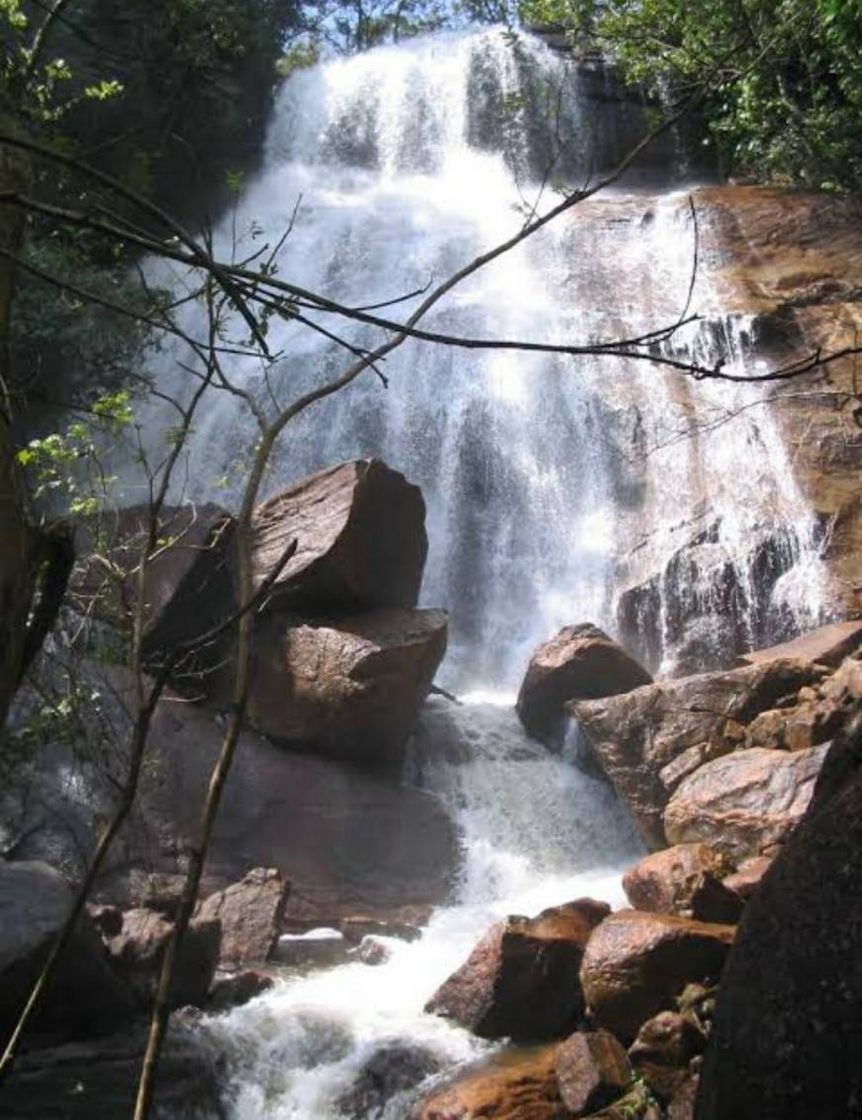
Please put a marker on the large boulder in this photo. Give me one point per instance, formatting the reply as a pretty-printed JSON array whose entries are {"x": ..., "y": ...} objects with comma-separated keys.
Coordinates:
[
  {"x": 578, "y": 663},
  {"x": 786, "y": 1036},
  {"x": 138, "y": 950},
  {"x": 350, "y": 689},
  {"x": 251, "y": 914},
  {"x": 98, "y": 1080},
  {"x": 348, "y": 842},
  {"x": 521, "y": 980},
  {"x": 746, "y": 802},
  {"x": 637, "y": 964},
  {"x": 684, "y": 879},
  {"x": 646, "y": 741},
  {"x": 85, "y": 996},
  {"x": 360, "y": 533},
  {"x": 514, "y": 1085}
]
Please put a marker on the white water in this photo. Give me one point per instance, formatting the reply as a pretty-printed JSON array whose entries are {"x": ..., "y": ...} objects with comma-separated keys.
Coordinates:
[{"x": 539, "y": 473}]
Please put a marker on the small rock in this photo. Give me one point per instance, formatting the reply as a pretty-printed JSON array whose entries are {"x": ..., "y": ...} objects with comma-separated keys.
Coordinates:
[
  {"x": 393, "y": 1069},
  {"x": 746, "y": 879},
  {"x": 663, "y": 1049},
  {"x": 372, "y": 951},
  {"x": 251, "y": 913},
  {"x": 233, "y": 991},
  {"x": 517, "y": 1084},
  {"x": 592, "y": 1071},
  {"x": 684, "y": 879},
  {"x": 318, "y": 948}
]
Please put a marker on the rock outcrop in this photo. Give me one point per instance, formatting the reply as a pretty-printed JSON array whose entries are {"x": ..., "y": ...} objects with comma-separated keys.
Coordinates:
[
  {"x": 637, "y": 964},
  {"x": 349, "y": 688},
  {"x": 648, "y": 740},
  {"x": 521, "y": 980},
  {"x": 578, "y": 663},
  {"x": 360, "y": 533},
  {"x": 786, "y": 1039}
]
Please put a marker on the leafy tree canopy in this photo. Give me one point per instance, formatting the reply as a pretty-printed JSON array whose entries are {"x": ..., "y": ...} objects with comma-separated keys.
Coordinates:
[{"x": 781, "y": 79}]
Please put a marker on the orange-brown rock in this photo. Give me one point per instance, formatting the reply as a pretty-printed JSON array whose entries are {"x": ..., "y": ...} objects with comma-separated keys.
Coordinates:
[
  {"x": 637, "y": 735},
  {"x": 636, "y": 964},
  {"x": 350, "y": 689},
  {"x": 663, "y": 1049},
  {"x": 519, "y": 1084},
  {"x": 592, "y": 1071},
  {"x": 578, "y": 663},
  {"x": 746, "y": 879},
  {"x": 685, "y": 879},
  {"x": 360, "y": 533},
  {"x": 521, "y": 980},
  {"x": 745, "y": 802}
]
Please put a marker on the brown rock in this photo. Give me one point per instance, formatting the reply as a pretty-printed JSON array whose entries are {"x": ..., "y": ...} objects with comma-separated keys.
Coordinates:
[
  {"x": 349, "y": 689},
  {"x": 746, "y": 879},
  {"x": 360, "y": 531},
  {"x": 637, "y": 735},
  {"x": 666, "y": 881},
  {"x": 393, "y": 1068},
  {"x": 251, "y": 914},
  {"x": 828, "y": 645},
  {"x": 636, "y": 964},
  {"x": 744, "y": 802},
  {"x": 592, "y": 1071},
  {"x": 579, "y": 663},
  {"x": 233, "y": 991},
  {"x": 137, "y": 953},
  {"x": 786, "y": 1037},
  {"x": 519, "y": 1084},
  {"x": 521, "y": 980},
  {"x": 663, "y": 1049}
]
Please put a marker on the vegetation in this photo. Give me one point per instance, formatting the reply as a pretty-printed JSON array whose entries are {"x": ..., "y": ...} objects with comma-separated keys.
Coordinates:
[{"x": 780, "y": 81}]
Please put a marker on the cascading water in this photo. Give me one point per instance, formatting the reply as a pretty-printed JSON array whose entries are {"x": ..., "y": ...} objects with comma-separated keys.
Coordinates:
[{"x": 540, "y": 473}]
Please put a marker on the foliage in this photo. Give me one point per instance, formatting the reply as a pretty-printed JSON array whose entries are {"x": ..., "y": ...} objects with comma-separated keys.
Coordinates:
[{"x": 781, "y": 79}]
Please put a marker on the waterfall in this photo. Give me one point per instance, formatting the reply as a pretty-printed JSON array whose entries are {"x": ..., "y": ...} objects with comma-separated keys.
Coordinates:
[
  {"x": 559, "y": 489},
  {"x": 541, "y": 473}
]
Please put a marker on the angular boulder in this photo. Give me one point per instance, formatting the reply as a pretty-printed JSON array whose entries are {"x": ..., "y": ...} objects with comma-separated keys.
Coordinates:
[
  {"x": 251, "y": 915},
  {"x": 745, "y": 880},
  {"x": 785, "y": 1043},
  {"x": 521, "y": 980},
  {"x": 138, "y": 950},
  {"x": 394, "y": 1068},
  {"x": 360, "y": 533},
  {"x": 592, "y": 1071},
  {"x": 349, "y": 689},
  {"x": 827, "y": 645},
  {"x": 578, "y": 663},
  {"x": 636, "y": 737},
  {"x": 234, "y": 991},
  {"x": 86, "y": 996},
  {"x": 684, "y": 879},
  {"x": 514, "y": 1085},
  {"x": 746, "y": 802},
  {"x": 636, "y": 964}
]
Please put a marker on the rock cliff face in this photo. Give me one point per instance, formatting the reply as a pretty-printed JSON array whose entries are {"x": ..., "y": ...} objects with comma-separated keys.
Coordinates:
[{"x": 779, "y": 276}]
